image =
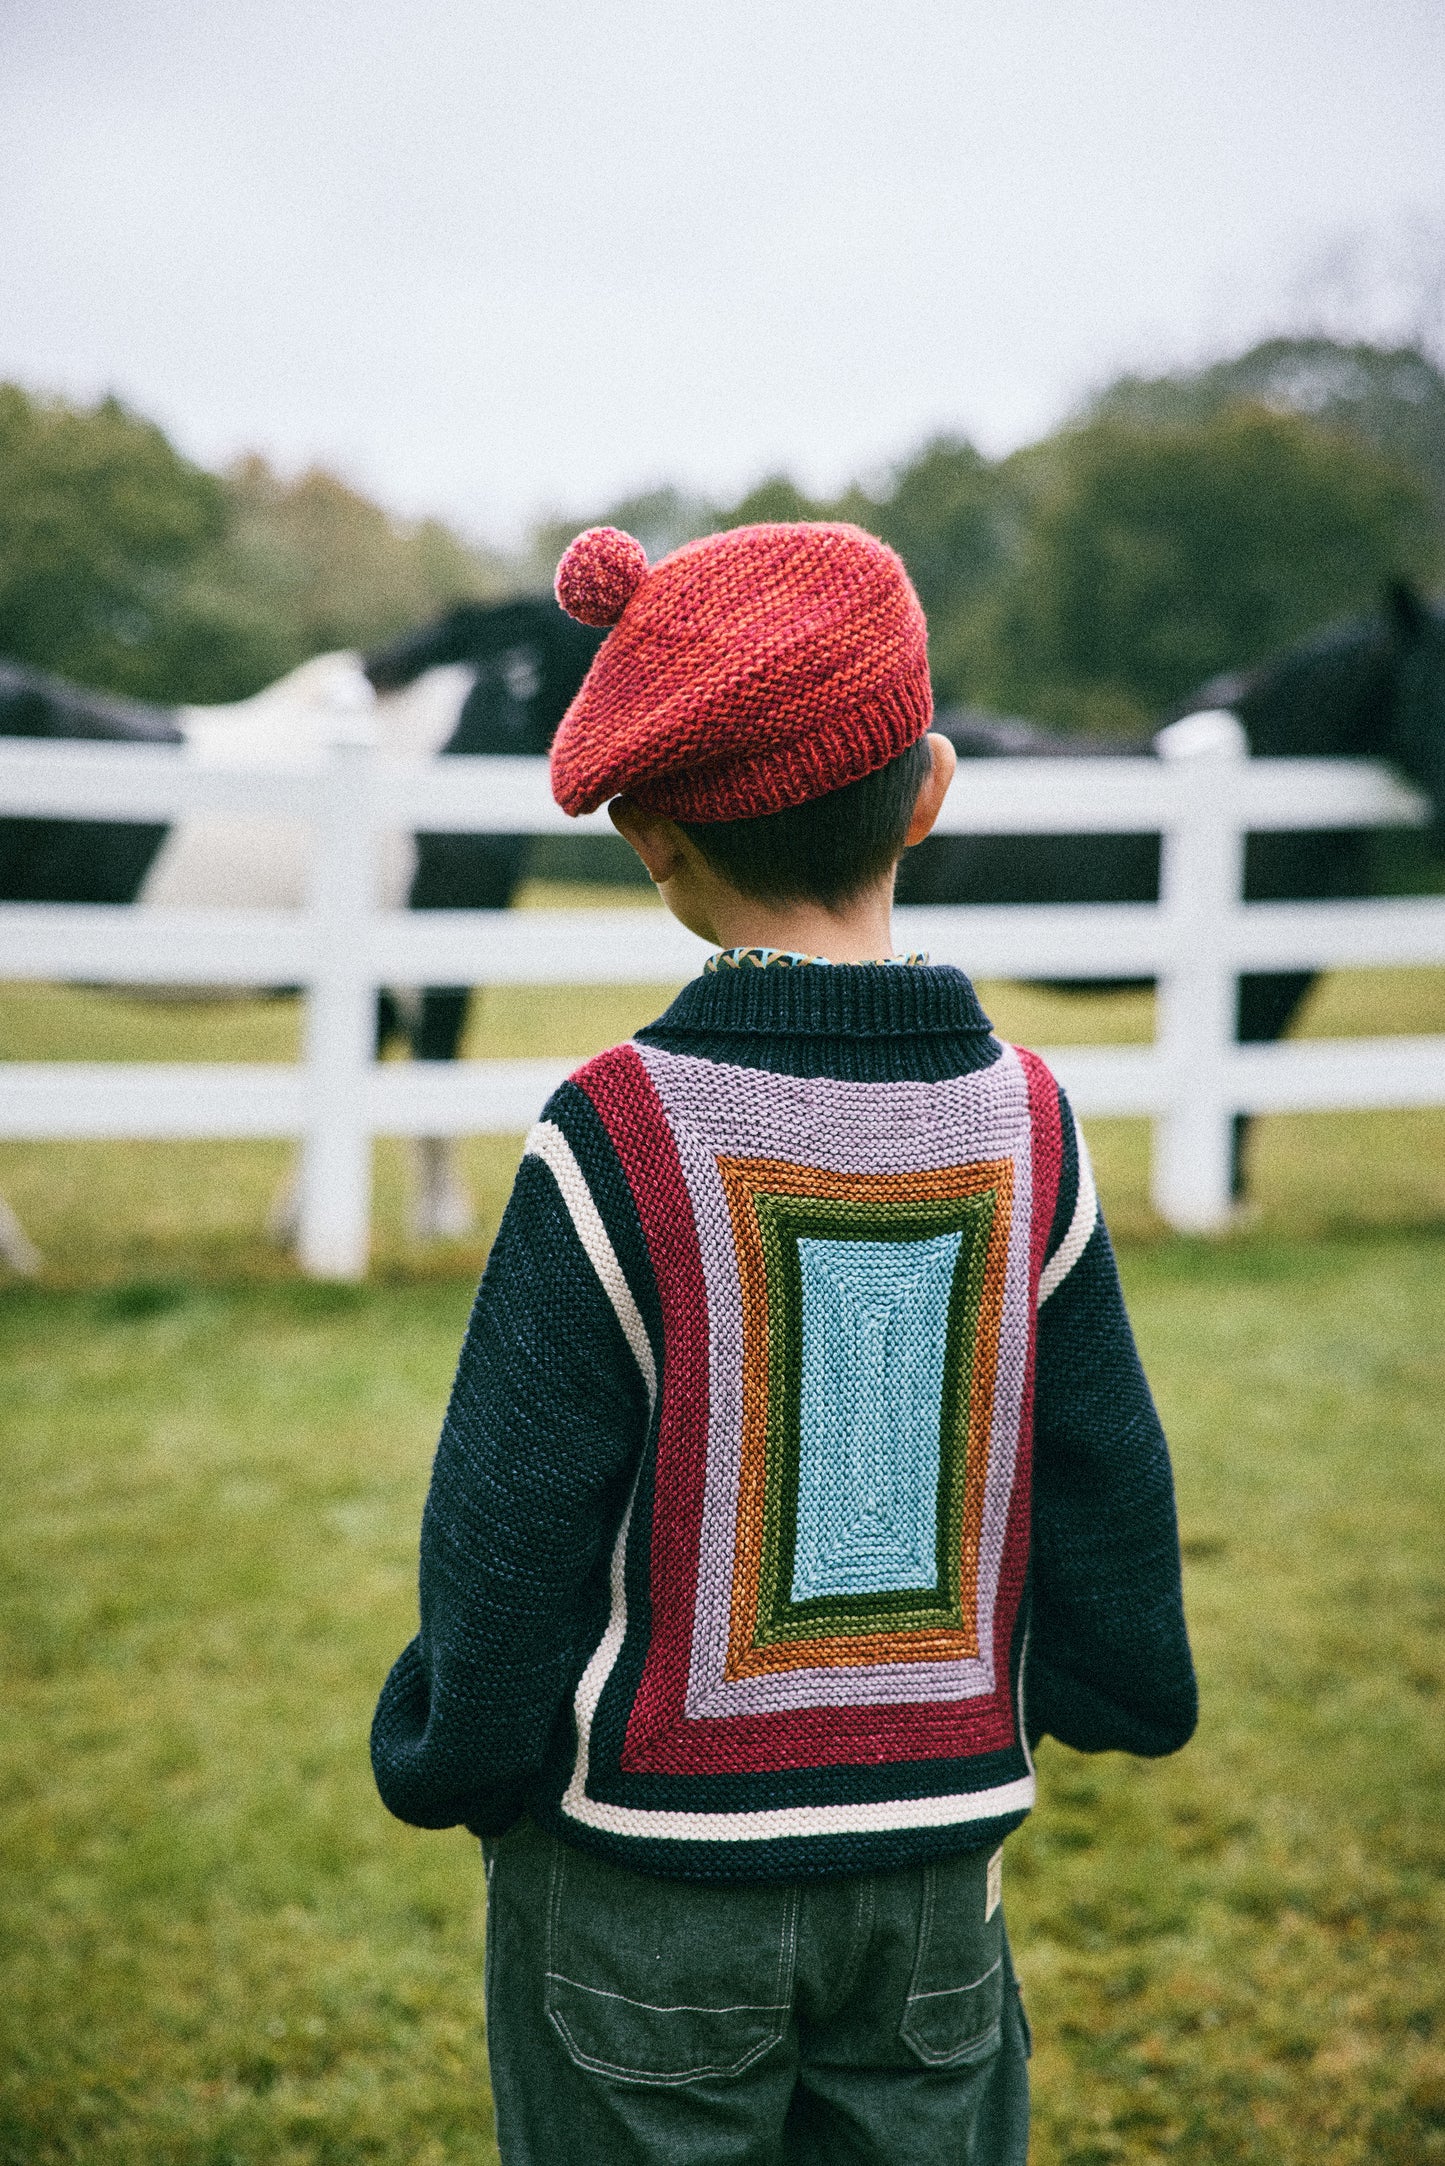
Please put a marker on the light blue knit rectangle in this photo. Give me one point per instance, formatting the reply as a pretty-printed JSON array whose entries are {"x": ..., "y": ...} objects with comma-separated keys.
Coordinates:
[{"x": 874, "y": 1328}]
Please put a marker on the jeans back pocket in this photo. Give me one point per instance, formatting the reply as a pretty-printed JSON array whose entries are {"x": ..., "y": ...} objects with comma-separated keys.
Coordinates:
[
  {"x": 665, "y": 1981},
  {"x": 954, "y": 2011}
]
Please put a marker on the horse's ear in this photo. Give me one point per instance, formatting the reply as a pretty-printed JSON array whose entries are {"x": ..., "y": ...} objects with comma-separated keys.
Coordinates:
[{"x": 1406, "y": 612}]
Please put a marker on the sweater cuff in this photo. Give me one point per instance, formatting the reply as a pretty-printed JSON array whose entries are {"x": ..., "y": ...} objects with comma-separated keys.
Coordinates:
[{"x": 1079, "y": 1715}]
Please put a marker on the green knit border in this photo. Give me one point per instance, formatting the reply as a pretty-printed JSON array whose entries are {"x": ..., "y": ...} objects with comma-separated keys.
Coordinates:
[{"x": 782, "y": 1222}]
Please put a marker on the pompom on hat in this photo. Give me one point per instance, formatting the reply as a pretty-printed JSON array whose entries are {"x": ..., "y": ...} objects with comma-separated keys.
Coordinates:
[
  {"x": 599, "y": 575},
  {"x": 746, "y": 672}
]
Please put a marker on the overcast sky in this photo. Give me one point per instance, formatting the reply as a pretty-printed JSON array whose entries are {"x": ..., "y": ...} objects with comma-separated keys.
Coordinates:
[{"x": 493, "y": 260}]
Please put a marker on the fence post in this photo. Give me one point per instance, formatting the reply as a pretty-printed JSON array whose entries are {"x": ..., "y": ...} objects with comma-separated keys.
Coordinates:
[
  {"x": 1201, "y": 881},
  {"x": 334, "y": 1219}
]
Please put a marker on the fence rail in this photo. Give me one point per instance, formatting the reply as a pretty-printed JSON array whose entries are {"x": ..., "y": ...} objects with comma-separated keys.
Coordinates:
[{"x": 1195, "y": 941}]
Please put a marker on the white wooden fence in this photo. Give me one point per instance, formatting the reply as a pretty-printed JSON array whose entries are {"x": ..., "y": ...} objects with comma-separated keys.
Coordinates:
[{"x": 1191, "y": 1080}]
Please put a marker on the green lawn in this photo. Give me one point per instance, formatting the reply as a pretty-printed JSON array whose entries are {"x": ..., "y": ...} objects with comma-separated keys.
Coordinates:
[{"x": 218, "y": 1948}]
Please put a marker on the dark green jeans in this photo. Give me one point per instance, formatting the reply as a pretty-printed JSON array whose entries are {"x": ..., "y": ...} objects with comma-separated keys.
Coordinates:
[{"x": 818, "y": 2024}]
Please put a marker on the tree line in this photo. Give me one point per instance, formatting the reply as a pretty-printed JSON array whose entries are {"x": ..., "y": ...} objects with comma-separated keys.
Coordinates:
[{"x": 1176, "y": 526}]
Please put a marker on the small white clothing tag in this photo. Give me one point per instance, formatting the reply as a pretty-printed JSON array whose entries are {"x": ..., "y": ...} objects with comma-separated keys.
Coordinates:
[{"x": 993, "y": 1894}]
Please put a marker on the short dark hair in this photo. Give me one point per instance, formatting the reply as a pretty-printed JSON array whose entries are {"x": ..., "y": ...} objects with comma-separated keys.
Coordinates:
[{"x": 826, "y": 850}]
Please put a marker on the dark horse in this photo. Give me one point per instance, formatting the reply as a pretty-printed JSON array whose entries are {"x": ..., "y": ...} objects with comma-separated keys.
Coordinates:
[
  {"x": 1370, "y": 688},
  {"x": 1373, "y": 687},
  {"x": 529, "y": 658}
]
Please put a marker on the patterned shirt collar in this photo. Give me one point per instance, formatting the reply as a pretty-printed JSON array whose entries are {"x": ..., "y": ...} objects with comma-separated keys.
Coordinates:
[{"x": 782, "y": 959}]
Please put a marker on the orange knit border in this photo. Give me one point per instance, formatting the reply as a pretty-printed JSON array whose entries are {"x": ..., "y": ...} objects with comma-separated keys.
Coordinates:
[{"x": 743, "y": 1179}]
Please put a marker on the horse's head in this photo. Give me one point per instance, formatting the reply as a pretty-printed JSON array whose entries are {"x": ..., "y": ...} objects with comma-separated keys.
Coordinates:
[
  {"x": 437, "y": 644},
  {"x": 1417, "y": 733},
  {"x": 526, "y": 652}
]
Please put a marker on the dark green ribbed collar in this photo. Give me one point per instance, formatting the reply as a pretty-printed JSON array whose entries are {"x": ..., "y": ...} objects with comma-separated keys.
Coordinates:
[{"x": 843, "y": 1000}]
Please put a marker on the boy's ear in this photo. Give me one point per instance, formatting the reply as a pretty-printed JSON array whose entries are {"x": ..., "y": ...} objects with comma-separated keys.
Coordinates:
[
  {"x": 655, "y": 839},
  {"x": 929, "y": 802}
]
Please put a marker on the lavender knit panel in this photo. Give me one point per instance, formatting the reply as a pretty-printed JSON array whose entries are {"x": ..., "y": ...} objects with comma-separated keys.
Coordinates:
[{"x": 717, "y": 1109}]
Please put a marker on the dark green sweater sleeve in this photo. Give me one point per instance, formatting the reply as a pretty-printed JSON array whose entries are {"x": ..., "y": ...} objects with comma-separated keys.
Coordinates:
[
  {"x": 1108, "y": 1663},
  {"x": 546, "y": 1422}
]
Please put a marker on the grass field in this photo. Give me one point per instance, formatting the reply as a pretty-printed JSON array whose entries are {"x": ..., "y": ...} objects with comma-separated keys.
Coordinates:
[{"x": 218, "y": 1950}]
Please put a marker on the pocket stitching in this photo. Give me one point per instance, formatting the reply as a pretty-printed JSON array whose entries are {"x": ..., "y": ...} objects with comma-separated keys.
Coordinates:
[
  {"x": 983, "y": 2042},
  {"x": 938, "y": 1993},
  {"x": 977, "y": 2048},
  {"x": 925, "y": 1933},
  {"x": 656, "y": 2078},
  {"x": 672, "y": 2008},
  {"x": 787, "y": 1951},
  {"x": 787, "y": 1955}
]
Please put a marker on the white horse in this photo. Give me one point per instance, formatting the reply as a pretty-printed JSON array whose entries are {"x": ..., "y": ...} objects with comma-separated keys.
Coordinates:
[{"x": 222, "y": 861}]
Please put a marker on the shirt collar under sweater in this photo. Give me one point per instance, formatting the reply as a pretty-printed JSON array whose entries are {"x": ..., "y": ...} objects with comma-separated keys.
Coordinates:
[
  {"x": 867, "y": 1021},
  {"x": 756, "y": 958}
]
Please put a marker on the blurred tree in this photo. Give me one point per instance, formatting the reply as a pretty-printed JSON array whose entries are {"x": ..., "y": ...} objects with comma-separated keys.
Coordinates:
[
  {"x": 306, "y": 566},
  {"x": 125, "y": 566},
  {"x": 776, "y": 499},
  {"x": 1152, "y": 556},
  {"x": 1187, "y": 524},
  {"x": 100, "y": 519},
  {"x": 950, "y": 516},
  {"x": 1390, "y": 397},
  {"x": 662, "y": 520}
]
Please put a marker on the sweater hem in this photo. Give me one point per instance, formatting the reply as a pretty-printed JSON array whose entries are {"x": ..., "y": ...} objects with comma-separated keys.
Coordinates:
[{"x": 771, "y": 1859}]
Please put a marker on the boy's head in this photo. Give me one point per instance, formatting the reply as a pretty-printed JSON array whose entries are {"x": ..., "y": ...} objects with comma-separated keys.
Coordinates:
[
  {"x": 827, "y": 850},
  {"x": 766, "y": 689}
]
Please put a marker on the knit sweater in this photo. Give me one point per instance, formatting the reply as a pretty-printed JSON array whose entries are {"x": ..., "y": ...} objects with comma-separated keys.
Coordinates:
[{"x": 799, "y": 1471}]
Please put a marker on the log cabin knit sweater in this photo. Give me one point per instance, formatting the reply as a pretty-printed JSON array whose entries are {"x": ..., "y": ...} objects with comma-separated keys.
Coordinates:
[{"x": 799, "y": 1471}]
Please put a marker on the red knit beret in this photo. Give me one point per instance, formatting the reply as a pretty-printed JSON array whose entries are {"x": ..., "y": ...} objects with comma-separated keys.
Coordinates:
[{"x": 746, "y": 672}]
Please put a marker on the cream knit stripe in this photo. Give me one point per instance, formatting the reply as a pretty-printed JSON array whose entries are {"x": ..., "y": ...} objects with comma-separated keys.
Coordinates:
[
  {"x": 1081, "y": 1225},
  {"x": 547, "y": 1142},
  {"x": 769, "y": 1824}
]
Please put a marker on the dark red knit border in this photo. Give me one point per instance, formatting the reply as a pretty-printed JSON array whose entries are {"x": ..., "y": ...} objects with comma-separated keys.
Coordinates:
[
  {"x": 1047, "y": 1156},
  {"x": 621, "y": 1089},
  {"x": 661, "y": 1738}
]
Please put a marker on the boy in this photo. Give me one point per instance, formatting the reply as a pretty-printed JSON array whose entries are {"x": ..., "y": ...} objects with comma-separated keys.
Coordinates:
[{"x": 799, "y": 1472}]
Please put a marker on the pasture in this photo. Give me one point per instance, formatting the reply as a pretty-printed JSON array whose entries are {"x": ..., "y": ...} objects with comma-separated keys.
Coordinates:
[{"x": 218, "y": 1948}]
